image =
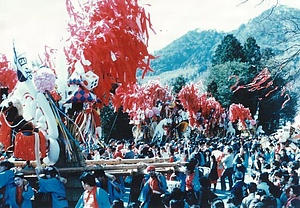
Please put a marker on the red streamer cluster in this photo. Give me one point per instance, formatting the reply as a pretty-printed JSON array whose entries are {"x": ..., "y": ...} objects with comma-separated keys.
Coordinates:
[
  {"x": 237, "y": 112},
  {"x": 262, "y": 81},
  {"x": 8, "y": 76},
  {"x": 134, "y": 98},
  {"x": 202, "y": 109},
  {"x": 109, "y": 37}
]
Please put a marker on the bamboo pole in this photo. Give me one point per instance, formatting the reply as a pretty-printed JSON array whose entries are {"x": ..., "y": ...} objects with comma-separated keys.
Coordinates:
[{"x": 124, "y": 166}]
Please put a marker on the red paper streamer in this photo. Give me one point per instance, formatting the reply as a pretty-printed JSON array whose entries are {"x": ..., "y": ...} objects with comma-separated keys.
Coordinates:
[
  {"x": 237, "y": 112},
  {"x": 8, "y": 76},
  {"x": 134, "y": 98},
  {"x": 202, "y": 109},
  {"x": 113, "y": 36}
]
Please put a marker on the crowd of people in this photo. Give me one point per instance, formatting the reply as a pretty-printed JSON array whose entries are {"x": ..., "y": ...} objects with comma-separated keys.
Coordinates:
[
  {"x": 253, "y": 172},
  {"x": 271, "y": 166}
]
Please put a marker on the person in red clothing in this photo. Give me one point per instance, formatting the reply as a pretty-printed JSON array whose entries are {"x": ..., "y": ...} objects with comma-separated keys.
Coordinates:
[
  {"x": 118, "y": 152},
  {"x": 153, "y": 189}
]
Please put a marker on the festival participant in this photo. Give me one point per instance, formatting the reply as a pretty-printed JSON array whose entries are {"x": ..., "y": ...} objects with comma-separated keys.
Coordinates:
[
  {"x": 227, "y": 162},
  {"x": 92, "y": 196},
  {"x": 6, "y": 181},
  {"x": 152, "y": 190},
  {"x": 176, "y": 199},
  {"x": 53, "y": 183},
  {"x": 192, "y": 183},
  {"x": 109, "y": 184},
  {"x": 136, "y": 184},
  {"x": 118, "y": 153},
  {"x": 20, "y": 195}
]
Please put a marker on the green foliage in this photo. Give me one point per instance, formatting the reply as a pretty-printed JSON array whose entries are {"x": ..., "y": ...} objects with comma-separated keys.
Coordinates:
[
  {"x": 178, "y": 83},
  {"x": 193, "y": 49},
  {"x": 115, "y": 124},
  {"x": 230, "y": 49},
  {"x": 252, "y": 52},
  {"x": 223, "y": 76},
  {"x": 107, "y": 117}
]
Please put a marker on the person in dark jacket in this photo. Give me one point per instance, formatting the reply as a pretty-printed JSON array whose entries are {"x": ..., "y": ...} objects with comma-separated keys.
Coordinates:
[
  {"x": 207, "y": 196},
  {"x": 213, "y": 174},
  {"x": 239, "y": 189}
]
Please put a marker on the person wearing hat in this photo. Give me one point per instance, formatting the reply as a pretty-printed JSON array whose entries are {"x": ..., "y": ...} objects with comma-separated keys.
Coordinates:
[
  {"x": 153, "y": 189},
  {"x": 20, "y": 195},
  {"x": 6, "y": 181},
  {"x": 53, "y": 183},
  {"x": 92, "y": 196},
  {"x": 239, "y": 189}
]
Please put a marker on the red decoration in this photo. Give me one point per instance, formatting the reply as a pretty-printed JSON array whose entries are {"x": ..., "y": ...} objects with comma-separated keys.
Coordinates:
[
  {"x": 134, "y": 98},
  {"x": 237, "y": 112},
  {"x": 25, "y": 146},
  {"x": 8, "y": 76},
  {"x": 202, "y": 109},
  {"x": 109, "y": 37}
]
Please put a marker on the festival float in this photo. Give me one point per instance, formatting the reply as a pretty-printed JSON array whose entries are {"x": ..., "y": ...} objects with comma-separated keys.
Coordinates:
[{"x": 108, "y": 41}]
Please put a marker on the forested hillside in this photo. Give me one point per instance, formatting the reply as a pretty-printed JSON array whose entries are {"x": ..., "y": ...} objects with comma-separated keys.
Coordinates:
[{"x": 275, "y": 31}]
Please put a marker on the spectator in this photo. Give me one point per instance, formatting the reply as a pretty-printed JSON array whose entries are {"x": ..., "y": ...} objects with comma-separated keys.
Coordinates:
[
  {"x": 262, "y": 182},
  {"x": 20, "y": 195},
  {"x": 294, "y": 194},
  {"x": 213, "y": 174},
  {"x": 207, "y": 196},
  {"x": 251, "y": 189},
  {"x": 239, "y": 162},
  {"x": 227, "y": 162},
  {"x": 53, "y": 183},
  {"x": 256, "y": 202},
  {"x": 129, "y": 153},
  {"x": 92, "y": 196},
  {"x": 239, "y": 189}
]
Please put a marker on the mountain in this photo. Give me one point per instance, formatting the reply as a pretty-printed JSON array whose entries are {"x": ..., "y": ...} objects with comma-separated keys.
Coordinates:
[{"x": 191, "y": 54}]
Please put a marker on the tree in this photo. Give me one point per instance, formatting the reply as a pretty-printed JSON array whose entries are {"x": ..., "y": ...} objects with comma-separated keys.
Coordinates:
[
  {"x": 230, "y": 49},
  {"x": 252, "y": 52},
  {"x": 224, "y": 76},
  {"x": 178, "y": 83}
]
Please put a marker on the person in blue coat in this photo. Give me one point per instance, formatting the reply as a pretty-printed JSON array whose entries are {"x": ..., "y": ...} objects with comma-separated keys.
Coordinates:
[
  {"x": 153, "y": 189},
  {"x": 6, "y": 181},
  {"x": 20, "y": 195},
  {"x": 92, "y": 196},
  {"x": 53, "y": 183},
  {"x": 110, "y": 184}
]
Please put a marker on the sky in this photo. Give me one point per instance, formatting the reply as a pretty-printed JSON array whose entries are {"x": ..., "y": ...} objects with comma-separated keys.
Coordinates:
[{"x": 32, "y": 24}]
